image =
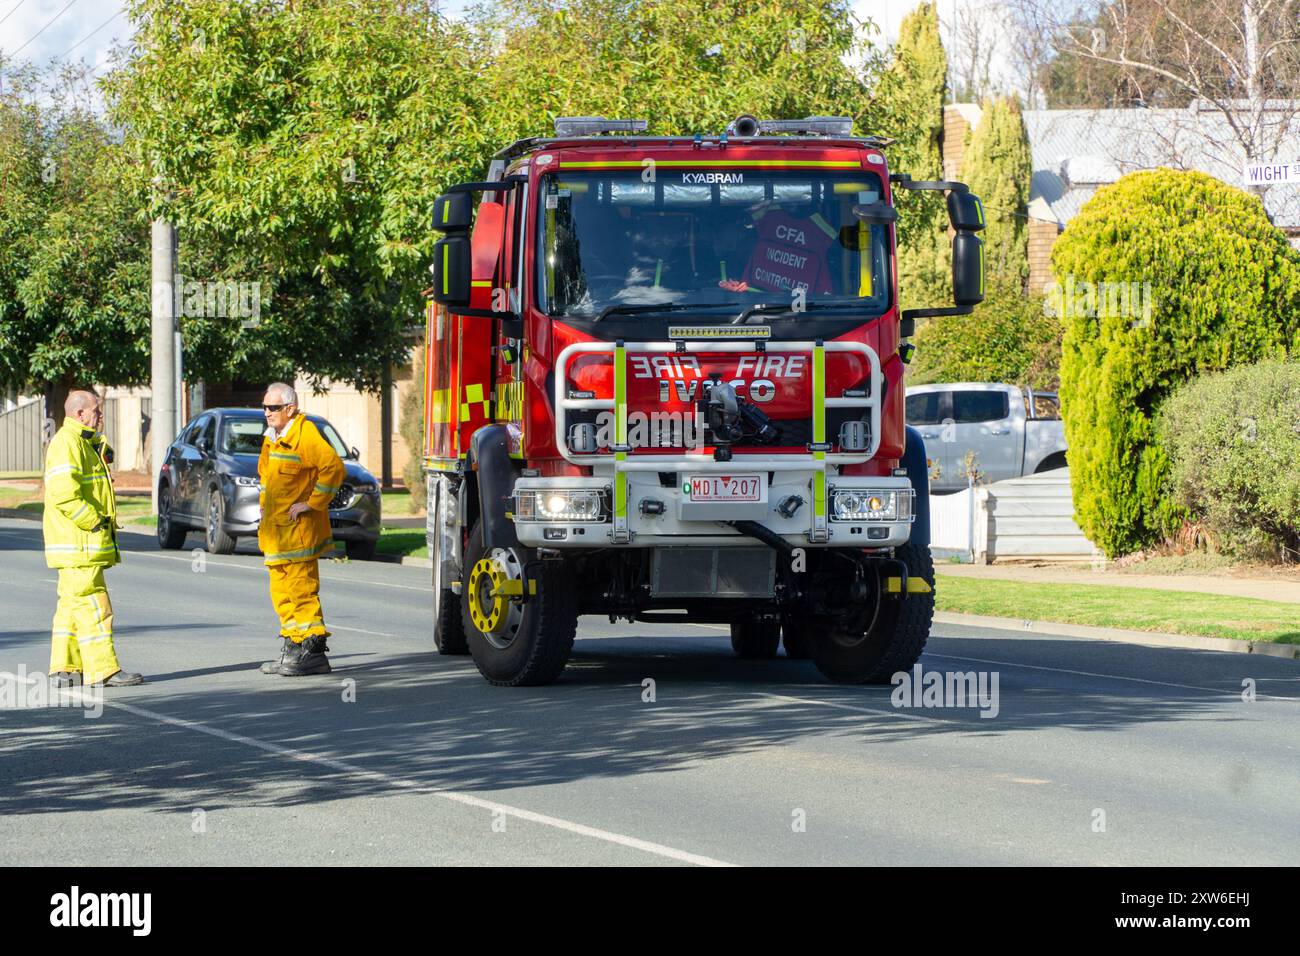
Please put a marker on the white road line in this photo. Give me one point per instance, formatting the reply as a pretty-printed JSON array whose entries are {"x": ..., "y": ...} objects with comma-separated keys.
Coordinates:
[
  {"x": 359, "y": 630},
  {"x": 259, "y": 569},
  {"x": 1231, "y": 692},
  {"x": 901, "y": 712},
  {"x": 581, "y": 829}
]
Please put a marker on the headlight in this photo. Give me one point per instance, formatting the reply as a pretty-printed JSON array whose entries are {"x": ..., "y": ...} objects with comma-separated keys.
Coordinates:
[
  {"x": 864, "y": 504},
  {"x": 369, "y": 488},
  {"x": 245, "y": 481},
  {"x": 559, "y": 505}
]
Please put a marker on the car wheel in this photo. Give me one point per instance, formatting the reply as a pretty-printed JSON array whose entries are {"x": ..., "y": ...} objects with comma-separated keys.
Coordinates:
[
  {"x": 171, "y": 534},
  {"x": 360, "y": 550},
  {"x": 218, "y": 541}
]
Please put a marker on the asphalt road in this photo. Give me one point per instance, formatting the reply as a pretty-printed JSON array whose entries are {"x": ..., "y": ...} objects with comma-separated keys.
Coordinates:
[{"x": 1099, "y": 753}]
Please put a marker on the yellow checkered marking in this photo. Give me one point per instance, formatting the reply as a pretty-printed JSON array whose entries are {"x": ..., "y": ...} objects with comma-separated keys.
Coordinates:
[{"x": 474, "y": 396}]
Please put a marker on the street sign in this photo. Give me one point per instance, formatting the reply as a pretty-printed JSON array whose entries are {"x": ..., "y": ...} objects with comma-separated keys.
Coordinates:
[{"x": 1269, "y": 174}]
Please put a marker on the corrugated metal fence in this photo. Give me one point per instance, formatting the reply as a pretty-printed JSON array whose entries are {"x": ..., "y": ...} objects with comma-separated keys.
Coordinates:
[
  {"x": 21, "y": 443},
  {"x": 1023, "y": 518},
  {"x": 22, "y": 438}
]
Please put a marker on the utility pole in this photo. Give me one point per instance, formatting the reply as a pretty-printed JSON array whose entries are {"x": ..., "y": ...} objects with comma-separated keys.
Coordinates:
[{"x": 165, "y": 381}]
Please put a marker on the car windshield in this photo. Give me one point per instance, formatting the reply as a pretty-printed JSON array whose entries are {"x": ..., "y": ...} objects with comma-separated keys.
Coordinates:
[
  {"x": 722, "y": 239},
  {"x": 331, "y": 436},
  {"x": 242, "y": 436}
]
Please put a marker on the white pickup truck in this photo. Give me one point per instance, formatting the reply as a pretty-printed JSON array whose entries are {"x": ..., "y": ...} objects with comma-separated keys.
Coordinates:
[{"x": 998, "y": 431}]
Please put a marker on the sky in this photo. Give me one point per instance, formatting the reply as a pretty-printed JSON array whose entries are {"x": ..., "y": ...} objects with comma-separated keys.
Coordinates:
[{"x": 68, "y": 29}]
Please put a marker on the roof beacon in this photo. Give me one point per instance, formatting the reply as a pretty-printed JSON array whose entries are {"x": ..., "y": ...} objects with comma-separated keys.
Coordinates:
[
  {"x": 810, "y": 126},
  {"x": 596, "y": 125}
]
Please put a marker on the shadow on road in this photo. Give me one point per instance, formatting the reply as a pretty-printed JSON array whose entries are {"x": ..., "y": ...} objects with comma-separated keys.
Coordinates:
[{"x": 431, "y": 721}]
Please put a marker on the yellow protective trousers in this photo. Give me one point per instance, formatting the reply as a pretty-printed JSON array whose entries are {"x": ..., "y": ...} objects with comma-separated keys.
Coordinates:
[
  {"x": 83, "y": 626},
  {"x": 295, "y": 593}
]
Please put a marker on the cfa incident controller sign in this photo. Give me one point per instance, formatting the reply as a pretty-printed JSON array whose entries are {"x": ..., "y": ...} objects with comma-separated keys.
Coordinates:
[{"x": 1269, "y": 174}]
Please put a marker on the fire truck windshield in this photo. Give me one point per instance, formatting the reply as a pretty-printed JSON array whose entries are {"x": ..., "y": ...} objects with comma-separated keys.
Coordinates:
[{"x": 718, "y": 239}]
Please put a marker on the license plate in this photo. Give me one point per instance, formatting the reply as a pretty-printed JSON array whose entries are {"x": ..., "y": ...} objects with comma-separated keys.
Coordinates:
[{"x": 725, "y": 487}]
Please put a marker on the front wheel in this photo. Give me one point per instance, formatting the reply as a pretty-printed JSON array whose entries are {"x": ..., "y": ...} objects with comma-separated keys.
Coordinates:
[
  {"x": 896, "y": 637},
  {"x": 360, "y": 550},
  {"x": 218, "y": 541},
  {"x": 519, "y": 614}
]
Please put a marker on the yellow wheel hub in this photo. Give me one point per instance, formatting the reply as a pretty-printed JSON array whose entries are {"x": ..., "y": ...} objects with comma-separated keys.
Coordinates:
[{"x": 487, "y": 603}]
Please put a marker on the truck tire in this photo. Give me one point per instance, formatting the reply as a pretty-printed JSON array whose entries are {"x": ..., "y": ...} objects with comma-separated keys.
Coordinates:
[
  {"x": 448, "y": 628},
  {"x": 914, "y": 622},
  {"x": 798, "y": 638},
  {"x": 755, "y": 638},
  {"x": 536, "y": 647},
  {"x": 873, "y": 658}
]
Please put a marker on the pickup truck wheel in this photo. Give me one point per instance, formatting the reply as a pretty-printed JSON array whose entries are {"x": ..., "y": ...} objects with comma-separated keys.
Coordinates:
[
  {"x": 798, "y": 639},
  {"x": 755, "y": 638},
  {"x": 894, "y": 643},
  {"x": 517, "y": 643}
]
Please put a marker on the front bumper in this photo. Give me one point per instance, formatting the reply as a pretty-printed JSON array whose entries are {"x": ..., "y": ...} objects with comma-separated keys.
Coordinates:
[
  {"x": 359, "y": 521},
  {"x": 660, "y": 514}
]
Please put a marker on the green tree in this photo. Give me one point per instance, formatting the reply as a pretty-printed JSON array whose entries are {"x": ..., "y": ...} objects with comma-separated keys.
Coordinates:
[
  {"x": 999, "y": 168},
  {"x": 1007, "y": 339},
  {"x": 300, "y": 146},
  {"x": 74, "y": 279},
  {"x": 1161, "y": 275},
  {"x": 910, "y": 95},
  {"x": 684, "y": 65}
]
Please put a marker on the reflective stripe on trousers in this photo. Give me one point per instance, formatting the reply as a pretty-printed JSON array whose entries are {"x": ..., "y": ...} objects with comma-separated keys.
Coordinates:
[{"x": 81, "y": 639}]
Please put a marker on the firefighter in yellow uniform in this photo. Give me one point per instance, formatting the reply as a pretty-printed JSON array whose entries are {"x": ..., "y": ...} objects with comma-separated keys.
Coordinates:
[
  {"x": 80, "y": 526},
  {"x": 299, "y": 473}
]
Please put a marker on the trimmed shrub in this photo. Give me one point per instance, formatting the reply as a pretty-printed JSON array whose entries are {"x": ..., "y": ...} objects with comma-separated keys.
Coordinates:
[
  {"x": 411, "y": 427},
  {"x": 1233, "y": 440},
  {"x": 1007, "y": 339},
  {"x": 1162, "y": 275}
]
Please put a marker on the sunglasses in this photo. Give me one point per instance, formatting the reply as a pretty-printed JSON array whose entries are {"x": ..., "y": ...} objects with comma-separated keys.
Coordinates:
[{"x": 274, "y": 408}]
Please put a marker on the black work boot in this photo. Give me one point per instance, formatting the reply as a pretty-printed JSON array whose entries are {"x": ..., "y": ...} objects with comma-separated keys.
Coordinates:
[
  {"x": 310, "y": 659},
  {"x": 287, "y": 647},
  {"x": 65, "y": 678},
  {"x": 122, "y": 679}
]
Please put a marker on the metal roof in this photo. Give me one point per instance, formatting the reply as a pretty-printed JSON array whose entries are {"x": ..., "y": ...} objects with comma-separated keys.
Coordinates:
[{"x": 1077, "y": 151}]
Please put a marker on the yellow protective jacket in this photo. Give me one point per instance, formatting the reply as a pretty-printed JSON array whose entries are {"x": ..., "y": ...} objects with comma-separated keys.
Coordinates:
[
  {"x": 300, "y": 466},
  {"x": 80, "y": 519}
]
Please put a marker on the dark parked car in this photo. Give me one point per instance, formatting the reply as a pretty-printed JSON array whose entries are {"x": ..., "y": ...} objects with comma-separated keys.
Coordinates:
[{"x": 209, "y": 484}]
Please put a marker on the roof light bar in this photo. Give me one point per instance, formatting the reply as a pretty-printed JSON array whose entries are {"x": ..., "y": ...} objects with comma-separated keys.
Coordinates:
[
  {"x": 595, "y": 125},
  {"x": 810, "y": 126}
]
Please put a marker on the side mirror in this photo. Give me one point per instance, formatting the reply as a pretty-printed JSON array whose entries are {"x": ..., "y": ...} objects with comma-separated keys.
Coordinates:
[
  {"x": 967, "y": 268},
  {"x": 453, "y": 212},
  {"x": 965, "y": 211},
  {"x": 875, "y": 213},
  {"x": 202, "y": 445},
  {"x": 354, "y": 454},
  {"x": 451, "y": 271}
]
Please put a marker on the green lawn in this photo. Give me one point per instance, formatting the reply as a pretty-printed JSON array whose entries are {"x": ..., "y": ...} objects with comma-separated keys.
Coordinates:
[
  {"x": 131, "y": 509},
  {"x": 406, "y": 542},
  {"x": 1142, "y": 609}
]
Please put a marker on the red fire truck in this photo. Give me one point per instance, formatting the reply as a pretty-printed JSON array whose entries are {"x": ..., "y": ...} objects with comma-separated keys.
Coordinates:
[{"x": 665, "y": 384}]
